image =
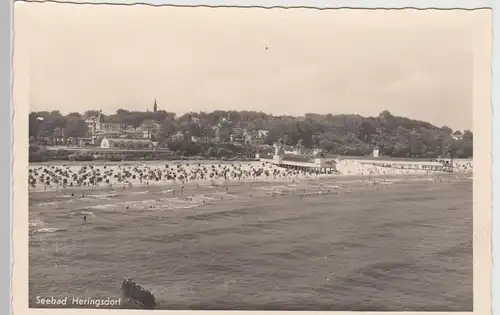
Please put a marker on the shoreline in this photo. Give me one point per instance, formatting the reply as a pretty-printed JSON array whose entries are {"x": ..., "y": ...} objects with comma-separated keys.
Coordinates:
[
  {"x": 232, "y": 183},
  {"x": 117, "y": 175}
]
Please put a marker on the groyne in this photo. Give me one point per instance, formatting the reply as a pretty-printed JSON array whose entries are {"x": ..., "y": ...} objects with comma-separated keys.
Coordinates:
[{"x": 133, "y": 291}]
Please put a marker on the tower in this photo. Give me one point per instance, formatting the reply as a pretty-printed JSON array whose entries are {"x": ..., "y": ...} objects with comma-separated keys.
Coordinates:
[
  {"x": 98, "y": 121},
  {"x": 155, "y": 107}
]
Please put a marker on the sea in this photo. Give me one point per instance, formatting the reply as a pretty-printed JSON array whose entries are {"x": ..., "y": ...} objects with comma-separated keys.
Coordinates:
[{"x": 337, "y": 244}]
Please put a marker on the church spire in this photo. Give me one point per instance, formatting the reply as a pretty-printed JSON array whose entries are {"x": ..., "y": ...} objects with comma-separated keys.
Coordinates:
[{"x": 155, "y": 106}]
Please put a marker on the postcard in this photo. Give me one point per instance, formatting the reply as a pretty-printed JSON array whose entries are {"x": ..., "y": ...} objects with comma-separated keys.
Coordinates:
[{"x": 250, "y": 159}]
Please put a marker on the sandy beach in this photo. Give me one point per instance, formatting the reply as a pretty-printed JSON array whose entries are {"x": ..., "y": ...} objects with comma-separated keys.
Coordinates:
[{"x": 56, "y": 176}]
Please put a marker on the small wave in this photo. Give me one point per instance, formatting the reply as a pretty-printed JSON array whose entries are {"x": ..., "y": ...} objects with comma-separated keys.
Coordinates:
[
  {"x": 314, "y": 193},
  {"x": 270, "y": 189},
  {"x": 113, "y": 206},
  {"x": 186, "y": 206},
  {"x": 104, "y": 207},
  {"x": 83, "y": 212},
  {"x": 333, "y": 187},
  {"x": 104, "y": 196},
  {"x": 35, "y": 223},
  {"x": 50, "y": 203},
  {"x": 139, "y": 192},
  {"x": 48, "y": 230},
  {"x": 173, "y": 203}
]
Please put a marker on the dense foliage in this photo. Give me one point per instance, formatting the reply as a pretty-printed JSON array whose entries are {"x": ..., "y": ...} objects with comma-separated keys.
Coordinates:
[{"x": 335, "y": 134}]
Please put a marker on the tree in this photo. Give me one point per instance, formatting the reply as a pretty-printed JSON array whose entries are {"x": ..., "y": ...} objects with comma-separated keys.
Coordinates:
[
  {"x": 366, "y": 130},
  {"x": 446, "y": 130},
  {"x": 385, "y": 114},
  {"x": 46, "y": 128},
  {"x": 168, "y": 128},
  {"x": 205, "y": 130},
  {"x": 286, "y": 139},
  {"x": 75, "y": 114},
  {"x": 75, "y": 127},
  {"x": 468, "y": 135},
  {"x": 91, "y": 113},
  {"x": 190, "y": 128},
  {"x": 223, "y": 152},
  {"x": 34, "y": 124},
  {"x": 348, "y": 134},
  {"x": 223, "y": 132}
]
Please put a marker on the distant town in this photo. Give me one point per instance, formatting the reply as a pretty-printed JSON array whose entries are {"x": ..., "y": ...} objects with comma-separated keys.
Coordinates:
[{"x": 239, "y": 134}]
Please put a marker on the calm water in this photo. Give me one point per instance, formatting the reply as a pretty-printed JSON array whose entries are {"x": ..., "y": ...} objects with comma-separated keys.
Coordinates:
[{"x": 396, "y": 248}]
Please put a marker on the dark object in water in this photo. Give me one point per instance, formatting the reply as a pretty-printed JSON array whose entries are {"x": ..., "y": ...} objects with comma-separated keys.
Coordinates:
[{"x": 136, "y": 292}]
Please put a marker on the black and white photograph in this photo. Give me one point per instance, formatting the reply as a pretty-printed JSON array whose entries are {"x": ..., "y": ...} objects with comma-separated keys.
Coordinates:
[{"x": 218, "y": 158}]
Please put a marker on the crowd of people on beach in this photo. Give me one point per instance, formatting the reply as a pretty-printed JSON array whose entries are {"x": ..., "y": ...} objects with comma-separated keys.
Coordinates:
[
  {"x": 51, "y": 176},
  {"x": 126, "y": 176}
]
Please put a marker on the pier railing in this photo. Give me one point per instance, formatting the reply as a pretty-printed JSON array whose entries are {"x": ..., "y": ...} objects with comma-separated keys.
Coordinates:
[{"x": 425, "y": 167}]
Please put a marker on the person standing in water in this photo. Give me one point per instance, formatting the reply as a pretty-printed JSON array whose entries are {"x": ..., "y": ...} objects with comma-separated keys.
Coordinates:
[{"x": 85, "y": 218}]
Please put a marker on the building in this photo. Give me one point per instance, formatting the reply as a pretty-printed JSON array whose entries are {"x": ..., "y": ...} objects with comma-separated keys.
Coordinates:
[
  {"x": 58, "y": 136},
  {"x": 236, "y": 139},
  {"x": 135, "y": 133},
  {"x": 248, "y": 139},
  {"x": 262, "y": 133},
  {"x": 179, "y": 136},
  {"x": 98, "y": 128},
  {"x": 457, "y": 135},
  {"x": 97, "y": 123},
  {"x": 195, "y": 120},
  {"x": 255, "y": 138},
  {"x": 150, "y": 128},
  {"x": 92, "y": 124},
  {"x": 289, "y": 150},
  {"x": 111, "y": 126},
  {"x": 445, "y": 161},
  {"x": 260, "y": 137},
  {"x": 106, "y": 134},
  {"x": 127, "y": 144}
]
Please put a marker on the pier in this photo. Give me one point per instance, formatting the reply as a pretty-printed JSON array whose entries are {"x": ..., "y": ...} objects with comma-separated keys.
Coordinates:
[{"x": 316, "y": 164}]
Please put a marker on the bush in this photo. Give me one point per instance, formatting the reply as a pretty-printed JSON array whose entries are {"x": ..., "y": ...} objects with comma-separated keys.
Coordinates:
[{"x": 80, "y": 157}]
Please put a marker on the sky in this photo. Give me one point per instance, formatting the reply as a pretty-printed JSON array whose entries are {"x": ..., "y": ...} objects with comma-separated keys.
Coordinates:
[{"x": 413, "y": 63}]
